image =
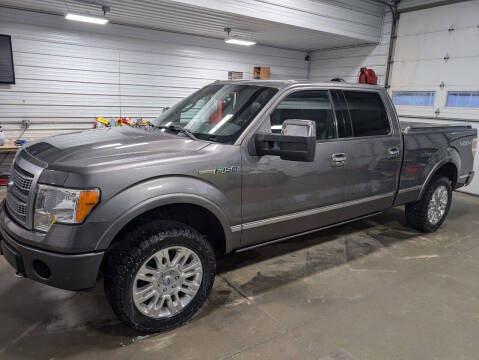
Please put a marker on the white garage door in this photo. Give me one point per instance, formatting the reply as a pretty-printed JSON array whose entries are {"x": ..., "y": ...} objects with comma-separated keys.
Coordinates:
[{"x": 435, "y": 74}]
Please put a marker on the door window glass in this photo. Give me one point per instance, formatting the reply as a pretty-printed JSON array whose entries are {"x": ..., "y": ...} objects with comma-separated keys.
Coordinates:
[
  {"x": 368, "y": 114},
  {"x": 306, "y": 105}
]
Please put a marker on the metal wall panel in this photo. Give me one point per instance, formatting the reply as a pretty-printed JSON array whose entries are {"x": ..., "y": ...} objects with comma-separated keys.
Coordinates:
[
  {"x": 439, "y": 46},
  {"x": 411, "y": 3},
  {"x": 66, "y": 77},
  {"x": 346, "y": 62},
  {"x": 64, "y": 87}
]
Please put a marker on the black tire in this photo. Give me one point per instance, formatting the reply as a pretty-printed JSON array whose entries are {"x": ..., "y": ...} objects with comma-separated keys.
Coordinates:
[
  {"x": 417, "y": 212},
  {"x": 133, "y": 250}
]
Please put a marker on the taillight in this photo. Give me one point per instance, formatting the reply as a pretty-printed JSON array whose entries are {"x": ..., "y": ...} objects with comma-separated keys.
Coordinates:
[{"x": 474, "y": 146}]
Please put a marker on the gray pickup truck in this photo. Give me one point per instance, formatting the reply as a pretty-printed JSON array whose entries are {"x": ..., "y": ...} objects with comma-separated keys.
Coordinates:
[{"x": 237, "y": 164}]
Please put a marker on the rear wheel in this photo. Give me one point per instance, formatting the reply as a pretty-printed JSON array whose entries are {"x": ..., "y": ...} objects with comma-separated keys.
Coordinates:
[
  {"x": 159, "y": 275},
  {"x": 431, "y": 210}
]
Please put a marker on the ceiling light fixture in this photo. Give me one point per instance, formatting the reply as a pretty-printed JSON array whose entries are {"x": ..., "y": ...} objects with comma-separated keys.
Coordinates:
[
  {"x": 88, "y": 19},
  {"x": 236, "y": 41},
  {"x": 231, "y": 39}
]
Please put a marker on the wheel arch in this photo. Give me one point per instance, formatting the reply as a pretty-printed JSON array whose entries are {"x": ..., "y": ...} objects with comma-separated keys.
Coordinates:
[
  {"x": 163, "y": 205},
  {"x": 448, "y": 167}
]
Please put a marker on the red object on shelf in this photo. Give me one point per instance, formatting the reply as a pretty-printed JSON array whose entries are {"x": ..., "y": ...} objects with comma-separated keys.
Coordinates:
[{"x": 367, "y": 76}]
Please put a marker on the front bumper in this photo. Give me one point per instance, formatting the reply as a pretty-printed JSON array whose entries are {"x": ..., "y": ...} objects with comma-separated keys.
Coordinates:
[{"x": 65, "y": 271}]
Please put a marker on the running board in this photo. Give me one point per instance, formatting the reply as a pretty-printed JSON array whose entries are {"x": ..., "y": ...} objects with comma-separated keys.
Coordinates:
[{"x": 305, "y": 233}]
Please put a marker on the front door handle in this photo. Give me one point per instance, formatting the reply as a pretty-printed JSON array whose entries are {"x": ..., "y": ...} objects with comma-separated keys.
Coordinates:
[
  {"x": 393, "y": 153},
  {"x": 338, "y": 160}
]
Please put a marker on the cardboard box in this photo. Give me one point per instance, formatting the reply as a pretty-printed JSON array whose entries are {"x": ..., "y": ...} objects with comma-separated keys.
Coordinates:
[{"x": 261, "y": 72}]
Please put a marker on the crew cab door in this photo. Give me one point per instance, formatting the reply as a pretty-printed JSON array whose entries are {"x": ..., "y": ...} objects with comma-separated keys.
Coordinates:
[
  {"x": 284, "y": 197},
  {"x": 373, "y": 153}
]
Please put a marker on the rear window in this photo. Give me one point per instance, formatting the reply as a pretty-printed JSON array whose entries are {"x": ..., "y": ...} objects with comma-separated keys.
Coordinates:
[{"x": 368, "y": 114}]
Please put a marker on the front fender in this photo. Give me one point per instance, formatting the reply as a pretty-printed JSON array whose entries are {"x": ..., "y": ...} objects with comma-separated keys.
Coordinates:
[{"x": 148, "y": 195}]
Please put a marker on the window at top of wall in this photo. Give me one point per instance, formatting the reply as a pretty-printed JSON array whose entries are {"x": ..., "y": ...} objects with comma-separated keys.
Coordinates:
[
  {"x": 413, "y": 98},
  {"x": 467, "y": 99}
]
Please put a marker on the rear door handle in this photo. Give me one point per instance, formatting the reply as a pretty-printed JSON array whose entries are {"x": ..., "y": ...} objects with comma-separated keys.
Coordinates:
[
  {"x": 393, "y": 153},
  {"x": 338, "y": 160}
]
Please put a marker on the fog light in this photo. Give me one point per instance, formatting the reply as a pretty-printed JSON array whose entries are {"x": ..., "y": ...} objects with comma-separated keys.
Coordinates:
[{"x": 41, "y": 269}]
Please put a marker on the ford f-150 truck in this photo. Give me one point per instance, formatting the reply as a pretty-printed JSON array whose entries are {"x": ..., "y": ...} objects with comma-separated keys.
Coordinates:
[{"x": 237, "y": 164}]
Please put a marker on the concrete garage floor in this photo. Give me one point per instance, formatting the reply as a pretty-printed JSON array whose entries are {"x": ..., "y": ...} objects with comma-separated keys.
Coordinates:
[{"x": 373, "y": 289}]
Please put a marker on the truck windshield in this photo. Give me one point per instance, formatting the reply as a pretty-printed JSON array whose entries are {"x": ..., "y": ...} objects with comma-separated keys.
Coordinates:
[{"x": 218, "y": 112}]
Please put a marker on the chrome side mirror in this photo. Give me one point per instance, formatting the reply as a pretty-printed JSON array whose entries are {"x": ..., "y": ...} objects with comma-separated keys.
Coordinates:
[
  {"x": 296, "y": 127},
  {"x": 297, "y": 141}
]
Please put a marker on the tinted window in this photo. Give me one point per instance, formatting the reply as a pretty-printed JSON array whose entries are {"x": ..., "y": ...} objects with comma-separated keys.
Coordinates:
[
  {"x": 307, "y": 105},
  {"x": 368, "y": 115}
]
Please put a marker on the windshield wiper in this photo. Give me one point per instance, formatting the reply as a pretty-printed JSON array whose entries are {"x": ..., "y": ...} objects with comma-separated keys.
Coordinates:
[{"x": 180, "y": 129}]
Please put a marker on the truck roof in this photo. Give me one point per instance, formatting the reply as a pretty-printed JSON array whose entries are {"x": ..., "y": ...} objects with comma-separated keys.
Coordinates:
[{"x": 292, "y": 83}]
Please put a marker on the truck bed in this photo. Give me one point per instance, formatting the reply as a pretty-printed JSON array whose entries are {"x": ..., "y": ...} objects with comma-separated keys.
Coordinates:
[{"x": 428, "y": 146}]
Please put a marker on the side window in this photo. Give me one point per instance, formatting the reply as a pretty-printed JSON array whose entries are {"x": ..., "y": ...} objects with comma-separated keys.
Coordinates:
[
  {"x": 306, "y": 105},
  {"x": 368, "y": 114}
]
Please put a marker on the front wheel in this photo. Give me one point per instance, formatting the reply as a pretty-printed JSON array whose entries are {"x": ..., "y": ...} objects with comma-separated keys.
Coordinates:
[
  {"x": 431, "y": 210},
  {"x": 159, "y": 275}
]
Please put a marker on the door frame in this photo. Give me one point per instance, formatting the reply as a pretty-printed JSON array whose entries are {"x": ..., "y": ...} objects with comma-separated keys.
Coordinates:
[{"x": 262, "y": 122}]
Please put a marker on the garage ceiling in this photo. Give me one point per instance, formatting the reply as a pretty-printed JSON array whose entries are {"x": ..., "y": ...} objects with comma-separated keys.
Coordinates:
[{"x": 298, "y": 24}]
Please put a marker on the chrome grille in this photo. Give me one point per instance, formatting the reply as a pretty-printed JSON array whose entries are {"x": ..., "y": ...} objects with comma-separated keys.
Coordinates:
[
  {"x": 16, "y": 207},
  {"x": 22, "y": 179},
  {"x": 19, "y": 199}
]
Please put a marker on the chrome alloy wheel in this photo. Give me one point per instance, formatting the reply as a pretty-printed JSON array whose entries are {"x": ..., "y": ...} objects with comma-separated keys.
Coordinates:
[
  {"x": 437, "y": 205},
  {"x": 167, "y": 282}
]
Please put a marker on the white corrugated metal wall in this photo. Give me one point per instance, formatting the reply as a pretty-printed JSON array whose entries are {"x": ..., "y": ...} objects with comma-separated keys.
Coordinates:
[
  {"x": 67, "y": 77},
  {"x": 425, "y": 39},
  {"x": 346, "y": 62}
]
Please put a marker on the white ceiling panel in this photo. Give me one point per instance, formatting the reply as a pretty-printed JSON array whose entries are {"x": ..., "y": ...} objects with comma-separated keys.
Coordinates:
[{"x": 288, "y": 24}]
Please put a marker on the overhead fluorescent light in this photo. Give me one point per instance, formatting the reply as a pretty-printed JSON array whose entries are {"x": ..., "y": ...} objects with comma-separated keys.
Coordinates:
[
  {"x": 88, "y": 19},
  {"x": 236, "y": 41}
]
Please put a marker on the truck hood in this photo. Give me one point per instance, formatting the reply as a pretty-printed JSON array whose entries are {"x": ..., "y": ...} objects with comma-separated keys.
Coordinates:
[{"x": 111, "y": 146}]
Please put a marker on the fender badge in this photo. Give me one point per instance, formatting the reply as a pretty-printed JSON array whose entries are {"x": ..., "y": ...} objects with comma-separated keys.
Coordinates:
[{"x": 222, "y": 170}]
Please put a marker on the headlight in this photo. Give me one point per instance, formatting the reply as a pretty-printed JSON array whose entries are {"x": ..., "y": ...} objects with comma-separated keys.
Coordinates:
[{"x": 69, "y": 206}]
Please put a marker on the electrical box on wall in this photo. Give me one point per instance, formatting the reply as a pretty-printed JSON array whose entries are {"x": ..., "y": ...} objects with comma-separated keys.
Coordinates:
[{"x": 261, "y": 72}]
